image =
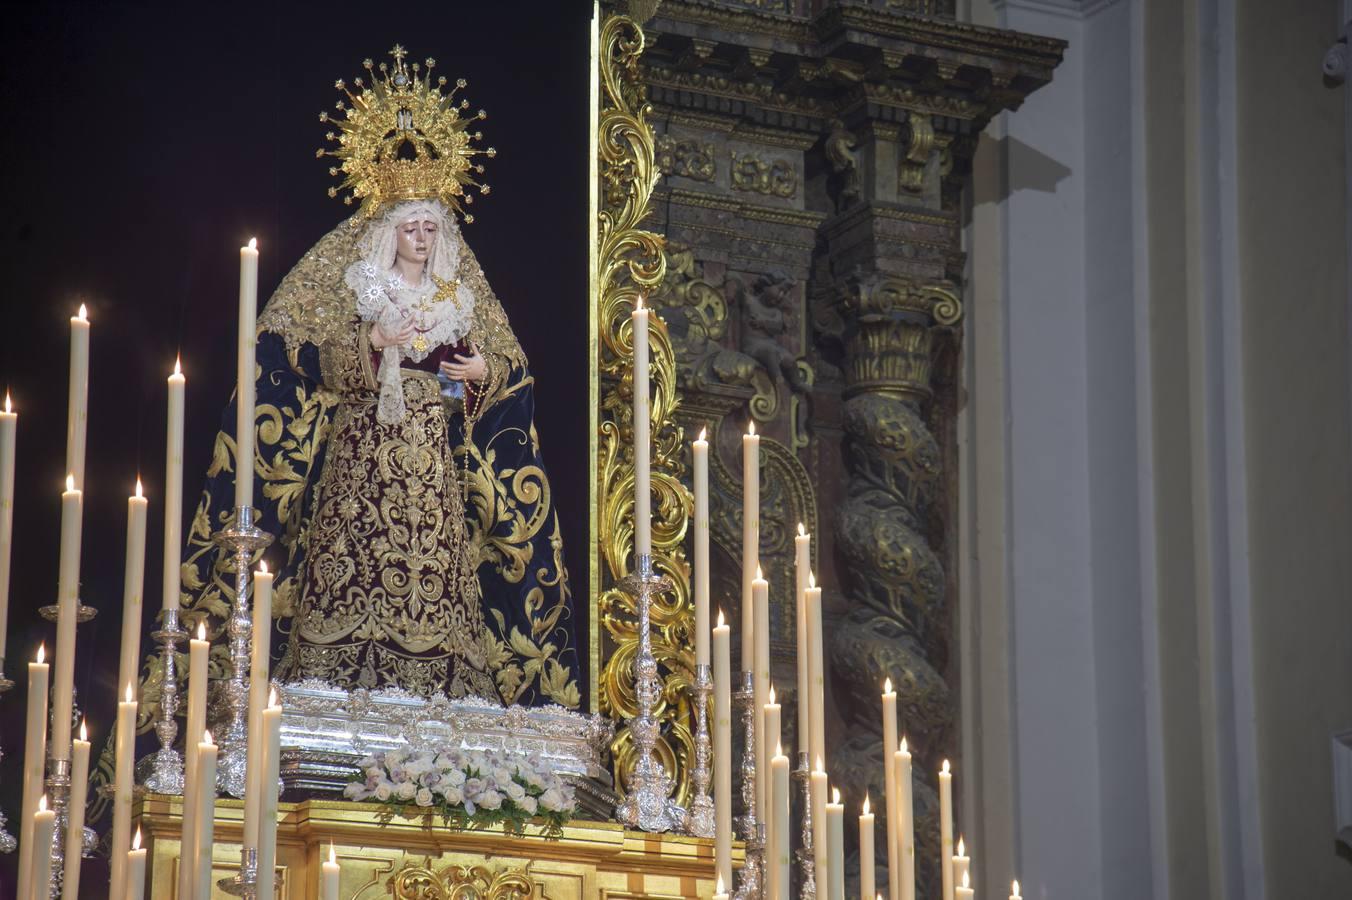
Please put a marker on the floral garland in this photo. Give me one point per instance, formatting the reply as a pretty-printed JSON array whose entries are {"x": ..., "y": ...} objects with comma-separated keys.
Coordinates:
[{"x": 468, "y": 788}]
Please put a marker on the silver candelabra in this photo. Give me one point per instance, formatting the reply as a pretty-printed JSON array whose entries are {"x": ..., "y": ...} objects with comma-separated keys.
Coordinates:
[
  {"x": 807, "y": 880},
  {"x": 7, "y": 841},
  {"x": 647, "y": 804},
  {"x": 243, "y": 540},
  {"x": 245, "y": 883},
  {"x": 751, "y": 885},
  {"x": 700, "y": 817},
  {"x": 166, "y": 766}
]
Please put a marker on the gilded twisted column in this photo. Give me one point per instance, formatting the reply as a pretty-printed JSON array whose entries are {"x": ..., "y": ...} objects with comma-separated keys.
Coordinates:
[{"x": 897, "y": 622}]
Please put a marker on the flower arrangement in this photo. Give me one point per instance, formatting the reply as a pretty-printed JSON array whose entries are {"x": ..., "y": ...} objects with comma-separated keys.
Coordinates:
[{"x": 468, "y": 788}]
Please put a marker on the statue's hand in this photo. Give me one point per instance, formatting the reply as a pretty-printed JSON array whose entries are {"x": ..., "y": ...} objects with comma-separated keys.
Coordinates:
[
  {"x": 467, "y": 367},
  {"x": 382, "y": 338}
]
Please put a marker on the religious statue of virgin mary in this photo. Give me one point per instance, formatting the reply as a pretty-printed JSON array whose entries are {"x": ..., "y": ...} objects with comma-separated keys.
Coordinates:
[{"x": 397, "y": 461}]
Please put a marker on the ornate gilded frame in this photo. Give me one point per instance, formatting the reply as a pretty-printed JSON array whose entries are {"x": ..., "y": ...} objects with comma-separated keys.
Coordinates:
[{"x": 627, "y": 261}]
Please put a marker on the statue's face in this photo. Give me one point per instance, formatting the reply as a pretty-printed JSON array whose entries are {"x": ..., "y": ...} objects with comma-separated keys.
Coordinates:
[{"x": 414, "y": 239}]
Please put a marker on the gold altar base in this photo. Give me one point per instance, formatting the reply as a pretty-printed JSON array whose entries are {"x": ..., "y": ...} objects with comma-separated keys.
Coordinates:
[{"x": 414, "y": 858}]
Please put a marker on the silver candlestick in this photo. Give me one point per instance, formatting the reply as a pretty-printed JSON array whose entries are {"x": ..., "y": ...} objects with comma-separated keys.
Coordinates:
[
  {"x": 58, "y": 801},
  {"x": 751, "y": 884},
  {"x": 699, "y": 820},
  {"x": 166, "y": 766},
  {"x": 7, "y": 841},
  {"x": 242, "y": 539},
  {"x": 244, "y": 884},
  {"x": 648, "y": 804},
  {"x": 807, "y": 880}
]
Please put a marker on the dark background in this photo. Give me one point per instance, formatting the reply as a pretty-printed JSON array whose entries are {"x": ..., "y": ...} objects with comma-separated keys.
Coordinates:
[{"x": 141, "y": 145}]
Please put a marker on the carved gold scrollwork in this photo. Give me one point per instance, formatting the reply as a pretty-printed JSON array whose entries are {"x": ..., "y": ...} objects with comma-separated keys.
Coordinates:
[
  {"x": 630, "y": 263},
  {"x": 911, "y": 174},
  {"x": 756, "y": 174},
  {"x": 416, "y": 881}
]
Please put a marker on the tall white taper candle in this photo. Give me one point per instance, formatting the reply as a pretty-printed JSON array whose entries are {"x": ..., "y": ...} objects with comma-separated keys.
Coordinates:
[
  {"x": 9, "y": 430},
  {"x": 867, "y": 875},
  {"x": 133, "y": 586},
  {"x": 204, "y": 822},
  {"x": 173, "y": 494},
  {"x": 75, "y": 814},
  {"x": 700, "y": 452},
  {"x": 760, "y": 602},
  {"x": 244, "y": 389},
  {"x": 901, "y": 760},
  {"x": 34, "y": 766},
  {"x": 802, "y": 565},
  {"x": 124, "y": 757},
  {"x": 750, "y": 543},
  {"x": 40, "y": 852},
  {"x": 891, "y": 799},
  {"x": 259, "y": 672},
  {"x": 77, "y": 407},
  {"x": 722, "y": 653},
  {"x": 643, "y": 529},
  {"x": 67, "y": 599},
  {"x": 946, "y": 829}
]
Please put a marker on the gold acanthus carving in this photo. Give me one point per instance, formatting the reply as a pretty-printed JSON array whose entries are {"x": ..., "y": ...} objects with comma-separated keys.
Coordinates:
[
  {"x": 919, "y": 143},
  {"x": 686, "y": 157},
  {"x": 420, "y": 881},
  {"x": 892, "y": 347},
  {"x": 630, "y": 263},
  {"x": 755, "y": 173}
]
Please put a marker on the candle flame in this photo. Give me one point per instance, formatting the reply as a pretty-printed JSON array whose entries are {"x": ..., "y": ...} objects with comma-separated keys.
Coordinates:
[
  {"x": 70, "y": 482},
  {"x": 9, "y": 407},
  {"x": 84, "y": 731},
  {"x": 202, "y": 631},
  {"x": 720, "y": 618},
  {"x": 945, "y": 771},
  {"x": 136, "y": 841},
  {"x": 42, "y": 652},
  {"x": 84, "y": 313},
  {"x": 903, "y": 745},
  {"x": 206, "y": 737},
  {"x": 835, "y": 796},
  {"x": 718, "y": 885},
  {"x": 702, "y": 433},
  {"x": 866, "y": 803},
  {"x": 178, "y": 364},
  {"x": 772, "y": 695},
  {"x": 263, "y": 567},
  {"x": 139, "y": 492},
  {"x": 966, "y": 880},
  {"x": 638, "y": 302},
  {"x": 819, "y": 765},
  {"x": 760, "y": 576},
  {"x": 751, "y": 429},
  {"x": 42, "y": 804},
  {"x": 131, "y": 695},
  {"x": 333, "y": 857},
  {"x": 802, "y": 532},
  {"x": 272, "y": 697},
  {"x": 811, "y": 578},
  {"x": 1015, "y": 887},
  {"x": 779, "y": 748},
  {"x": 887, "y": 685},
  {"x": 962, "y": 847},
  {"x": 253, "y": 243}
]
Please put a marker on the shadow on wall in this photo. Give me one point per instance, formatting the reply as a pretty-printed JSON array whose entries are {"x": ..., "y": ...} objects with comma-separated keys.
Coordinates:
[{"x": 1035, "y": 171}]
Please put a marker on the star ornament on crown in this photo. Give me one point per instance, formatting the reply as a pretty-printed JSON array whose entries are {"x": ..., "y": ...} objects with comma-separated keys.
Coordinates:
[{"x": 404, "y": 137}]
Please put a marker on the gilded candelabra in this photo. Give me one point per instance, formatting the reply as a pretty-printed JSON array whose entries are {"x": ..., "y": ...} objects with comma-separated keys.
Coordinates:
[
  {"x": 647, "y": 804},
  {"x": 751, "y": 884},
  {"x": 700, "y": 817},
  {"x": 807, "y": 876},
  {"x": 243, "y": 540}
]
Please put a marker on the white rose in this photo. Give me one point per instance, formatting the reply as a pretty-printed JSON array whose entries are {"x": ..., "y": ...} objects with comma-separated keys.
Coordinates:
[
  {"x": 455, "y": 777},
  {"x": 515, "y": 791},
  {"x": 454, "y": 796},
  {"x": 355, "y": 791},
  {"x": 501, "y": 775},
  {"x": 384, "y": 792},
  {"x": 423, "y": 797},
  {"x": 529, "y": 805},
  {"x": 552, "y": 800},
  {"x": 490, "y": 800},
  {"x": 405, "y": 791}
]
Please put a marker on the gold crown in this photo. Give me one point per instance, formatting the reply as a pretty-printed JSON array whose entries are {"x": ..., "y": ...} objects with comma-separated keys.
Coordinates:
[{"x": 404, "y": 138}]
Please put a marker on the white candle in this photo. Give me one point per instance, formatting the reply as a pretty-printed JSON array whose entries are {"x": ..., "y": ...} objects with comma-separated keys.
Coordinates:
[
  {"x": 835, "y": 847},
  {"x": 964, "y": 889},
  {"x": 134, "y": 886},
  {"x": 770, "y": 722},
  {"x": 67, "y": 597},
  {"x": 700, "y": 448},
  {"x": 901, "y": 761},
  {"x": 244, "y": 391},
  {"x": 815, "y": 677},
  {"x": 204, "y": 822},
  {"x": 760, "y": 602},
  {"x": 720, "y": 889},
  {"x": 329, "y": 891},
  {"x": 946, "y": 829},
  {"x": 34, "y": 765},
  {"x": 779, "y": 815},
  {"x": 9, "y": 430},
  {"x": 39, "y": 852},
  {"x": 173, "y": 490},
  {"x": 768, "y": 737},
  {"x": 77, "y": 408},
  {"x": 962, "y": 863},
  {"x": 802, "y": 565},
  {"x": 199, "y": 650},
  {"x": 722, "y": 652},
  {"x": 1014, "y": 891},
  {"x": 259, "y": 670},
  {"x": 267, "y": 829},
  {"x": 123, "y": 760},
  {"x": 891, "y": 800},
  {"x": 817, "y": 795},
  {"x": 133, "y": 584},
  {"x": 867, "y": 877},
  {"x": 643, "y": 536},
  {"x": 750, "y": 542},
  {"x": 75, "y": 813}
]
